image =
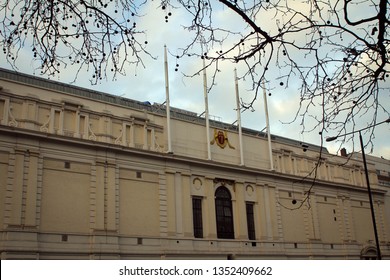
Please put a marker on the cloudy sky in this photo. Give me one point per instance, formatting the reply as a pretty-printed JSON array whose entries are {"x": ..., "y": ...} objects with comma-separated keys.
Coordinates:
[{"x": 148, "y": 84}]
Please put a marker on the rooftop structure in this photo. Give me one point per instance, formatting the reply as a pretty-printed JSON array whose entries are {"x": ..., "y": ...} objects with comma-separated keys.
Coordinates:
[{"x": 148, "y": 106}]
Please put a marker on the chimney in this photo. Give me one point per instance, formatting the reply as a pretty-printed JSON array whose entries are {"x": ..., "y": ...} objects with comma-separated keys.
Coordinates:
[{"x": 343, "y": 152}]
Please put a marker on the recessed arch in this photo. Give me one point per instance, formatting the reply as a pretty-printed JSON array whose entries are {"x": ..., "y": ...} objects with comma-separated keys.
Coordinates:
[
  {"x": 369, "y": 253},
  {"x": 224, "y": 213}
]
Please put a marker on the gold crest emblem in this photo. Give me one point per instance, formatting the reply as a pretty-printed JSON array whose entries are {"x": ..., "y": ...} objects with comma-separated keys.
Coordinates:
[{"x": 221, "y": 138}]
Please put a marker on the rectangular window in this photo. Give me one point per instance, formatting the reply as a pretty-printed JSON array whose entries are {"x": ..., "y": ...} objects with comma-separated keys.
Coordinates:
[
  {"x": 57, "y": 114},
  {"x": 250, "y": 218},
  {"x": 82, "y": 127},
  {"x": 2, "y": 109},
  {"x": 197, "y": 217}
]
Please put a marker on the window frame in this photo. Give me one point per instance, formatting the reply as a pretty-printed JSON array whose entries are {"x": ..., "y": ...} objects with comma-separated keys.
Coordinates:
[
  {"x": 224, "y": 213},
  {"x": 250, "y": 220},
  {"x": 197, "y": 219}
]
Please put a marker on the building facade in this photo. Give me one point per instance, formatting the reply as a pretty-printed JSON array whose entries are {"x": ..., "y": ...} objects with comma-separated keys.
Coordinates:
[{"x": 87, "y": 175}]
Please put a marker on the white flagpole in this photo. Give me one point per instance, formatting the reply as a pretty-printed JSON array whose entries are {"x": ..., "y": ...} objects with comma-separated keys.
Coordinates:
[
  {"x": 239, "y": 117},
  {"x": 167, "y": 101},
  {"x": 268, "y": 128},
  {"x": 206, "y": 102}
]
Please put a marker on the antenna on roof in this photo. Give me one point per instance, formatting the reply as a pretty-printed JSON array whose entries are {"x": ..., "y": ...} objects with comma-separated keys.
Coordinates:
[
  {"x": 206, "y": 104},
  {"x": 271, "y": 160},
  {"x": 167, "y": 100},
  {"x": 239, "y": 118}
]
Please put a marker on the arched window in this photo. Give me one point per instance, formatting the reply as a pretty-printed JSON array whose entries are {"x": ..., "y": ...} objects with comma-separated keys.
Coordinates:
[{"x": 224, "y": 213}]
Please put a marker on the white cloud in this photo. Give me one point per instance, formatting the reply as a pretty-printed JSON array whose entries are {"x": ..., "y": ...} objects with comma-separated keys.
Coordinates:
[{"x": 148, "y": 84}]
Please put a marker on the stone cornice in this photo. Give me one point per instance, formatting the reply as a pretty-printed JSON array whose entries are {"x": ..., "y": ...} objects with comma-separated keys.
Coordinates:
[{"x": 266, "y": 175}]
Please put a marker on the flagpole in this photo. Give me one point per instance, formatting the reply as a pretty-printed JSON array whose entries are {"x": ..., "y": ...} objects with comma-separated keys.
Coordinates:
[
  {"x": 268, "y": 128},
  {"x": 168, "y": 110},
  {"x": 239, "y": 117},
  {"x": 206, "y": 102}
]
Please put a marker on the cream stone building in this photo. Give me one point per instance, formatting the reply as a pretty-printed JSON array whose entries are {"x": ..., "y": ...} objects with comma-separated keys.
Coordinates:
[{"x": 88, "y": 175}]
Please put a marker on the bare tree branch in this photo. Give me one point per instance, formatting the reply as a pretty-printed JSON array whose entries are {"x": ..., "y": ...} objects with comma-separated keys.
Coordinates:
[
  {"x": 99, "y": 35},
  {"x": 336, "y": 50}
]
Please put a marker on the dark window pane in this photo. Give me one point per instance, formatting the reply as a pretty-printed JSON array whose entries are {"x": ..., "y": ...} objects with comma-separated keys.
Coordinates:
[
  {"x": 250, "y": 221},
  {"x": 224, "y": 213},
  {"x": 197, "y": 217}
]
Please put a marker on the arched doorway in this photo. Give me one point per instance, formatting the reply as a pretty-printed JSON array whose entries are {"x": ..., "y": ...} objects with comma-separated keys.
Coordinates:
[
  {"x": 224, "y": 213},
  {"x": 369, "y": 253}
]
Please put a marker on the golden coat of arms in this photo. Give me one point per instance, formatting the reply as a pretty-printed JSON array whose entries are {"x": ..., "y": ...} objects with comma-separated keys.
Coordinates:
[{"x": 220, "y": 137}]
